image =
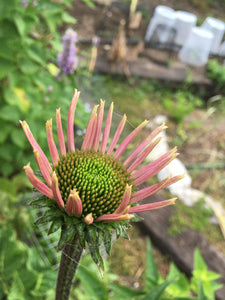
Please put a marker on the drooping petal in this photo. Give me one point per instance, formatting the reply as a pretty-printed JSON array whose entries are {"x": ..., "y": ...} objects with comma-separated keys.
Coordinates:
[
  {"x": 153, "y": 168},
  {"x": 143, "y": 144},
  {"x": 86, "y": 145},
  {"x": 98, "y": 126},
  {"x": 122, "y": 147},
  {"x": 70, "y": 122},
  {"x": 151, "y": 206},
  {"x": 117, "y": 135},
  {"x": 150, "y": 190},
  {"x": 125, "y": 201},
  {"x": 40, "y": 186},
  {"x": 74, "y": 204},
  {"x": 106, "y": 130},
  {"x": 51, "y": 143},
  {"x": 42, "y": 167},
  {"x": 34, "y": 144},
  {"x": 114, "y": 217},
  {"x": 56, "y": 191},
  {"x": 88, "y": 219},
  {"x": 61, "y": 140},
  {"x": 143, "y": 155}
]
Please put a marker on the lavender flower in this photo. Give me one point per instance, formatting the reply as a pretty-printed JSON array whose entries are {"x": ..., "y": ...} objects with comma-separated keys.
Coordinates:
[
  {"x": 24, "y": 3},
  {"x": 67, "y": 60}
]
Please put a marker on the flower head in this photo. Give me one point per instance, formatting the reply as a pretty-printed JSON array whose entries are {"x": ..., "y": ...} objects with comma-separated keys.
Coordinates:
[
  {"x": 95, "y": 184},
  {"x": 67, "y": 59}
]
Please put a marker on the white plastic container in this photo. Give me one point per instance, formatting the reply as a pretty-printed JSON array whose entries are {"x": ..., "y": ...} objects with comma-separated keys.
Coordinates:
[
  {"x": 184, "y": 22},
  {"x": 217, "y": 27},
  {"x": 196, "y": 49},
  {"x": 163, "y": 15}
]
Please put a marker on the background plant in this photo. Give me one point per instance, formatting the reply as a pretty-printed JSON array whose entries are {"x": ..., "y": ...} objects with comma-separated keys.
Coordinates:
[{"x": 29, "y": 44}]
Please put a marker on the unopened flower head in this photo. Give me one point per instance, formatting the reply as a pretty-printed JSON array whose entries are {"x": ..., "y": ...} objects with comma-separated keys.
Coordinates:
[
  {"x": 95, "y": 183},
  {"x": 67, "y": 59}
]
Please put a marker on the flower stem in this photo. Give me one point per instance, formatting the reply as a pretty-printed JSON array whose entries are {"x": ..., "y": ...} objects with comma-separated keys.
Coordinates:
[{"x": 70, "y": 258}]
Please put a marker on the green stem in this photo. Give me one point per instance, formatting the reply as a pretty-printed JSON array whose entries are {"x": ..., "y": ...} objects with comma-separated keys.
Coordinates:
[{"x": 70, "y": 258}]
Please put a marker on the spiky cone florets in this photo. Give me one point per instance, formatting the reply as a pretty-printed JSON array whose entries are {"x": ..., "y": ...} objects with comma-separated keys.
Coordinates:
[{"x": 94, "y": 184}]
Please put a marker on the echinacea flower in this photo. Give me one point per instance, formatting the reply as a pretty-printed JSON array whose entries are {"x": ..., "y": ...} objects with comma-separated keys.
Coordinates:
[
  {"x": 93, "y": 190},
  {"x": 95, "y": 183},
  {"x": 67, "y": 59}
]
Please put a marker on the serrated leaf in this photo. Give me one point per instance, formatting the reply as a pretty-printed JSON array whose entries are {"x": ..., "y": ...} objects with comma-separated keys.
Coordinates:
[
  {"x": 107, "y": 239},
  {"x": 55, "y": 225},
  {"x": 63, "y": 237}
]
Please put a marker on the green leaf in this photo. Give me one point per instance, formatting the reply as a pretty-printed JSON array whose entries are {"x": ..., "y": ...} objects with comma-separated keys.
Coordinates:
[
  {"x": 9, "y": 113},
  {"x": 121, "y": 292},
  {"x": 68, "y": 18},
  {"x": 151, "y": 273},
  {"x": 92, "y": 284},
  {"x": 17, "y": 289},
  {"x": 27, "y": 66},
  {"x": 201, "y": 295},
  {"x": 18, "y": 138},
  {"x": 5, "y": 8},
  {"x": 56, "y": 225},
  {"x": 199, "y": 263},
  {"x": 156, "y": 293},
  {"x": 6, "y": 67},
  {"x": 5, "y": 130},
  {"x": 8, "y": 186},
  {"x": 37, "y": 54},
  {"x": 20, "y": 24}
]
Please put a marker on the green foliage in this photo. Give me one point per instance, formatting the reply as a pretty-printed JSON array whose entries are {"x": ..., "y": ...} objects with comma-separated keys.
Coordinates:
[
  {"x": 180, "y": 104},
  {"x": 216, "y": 72},
  {"x": 175, "y": 286},
  {"x": 27, "y": 70},
  {"x": 22, "y": 273}
]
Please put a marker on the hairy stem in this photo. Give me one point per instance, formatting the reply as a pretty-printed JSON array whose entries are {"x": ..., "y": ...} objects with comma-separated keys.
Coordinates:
[{"x": 70, "y": 258}]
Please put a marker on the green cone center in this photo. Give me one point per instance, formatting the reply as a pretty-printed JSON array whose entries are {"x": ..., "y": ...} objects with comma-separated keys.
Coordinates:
[{"x": 99, "y": 179}]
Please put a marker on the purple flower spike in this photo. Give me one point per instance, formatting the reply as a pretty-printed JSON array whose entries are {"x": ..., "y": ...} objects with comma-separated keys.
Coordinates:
[{"x": 67, "y": 59}]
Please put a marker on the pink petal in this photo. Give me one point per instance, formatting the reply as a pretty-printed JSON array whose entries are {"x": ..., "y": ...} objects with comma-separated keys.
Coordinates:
[
  {"x": 150, "y": 190},
  {"x": 42, "y": 167},
  {"x": 73, "y": 204},
  {"x": 143, "y": 144},
  {"x": 34, "y": 144},
  {"x": 125, "y": 201},
  {"x": 98, "y": 126},
  {"x": 117, "y": 135},
  {"x": 61, "y": 140},
  {"x": 153, "y": 168},
  {"x": 114, "y": 217},
  {"x": 40, "y": 186},
  {"x": 70, "y": 122},
  {"x": 106, "y": 130},
  {"x": 88, "y": 219},
  {"x": 56, "y": 191},
  {"x": 143, "y": 155},
  {"x": 122, "y": 147},
  {"x": 90, "y": 131},
  {"x": 151, "y": 206},
  {"x": 51, "y": 143}
]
